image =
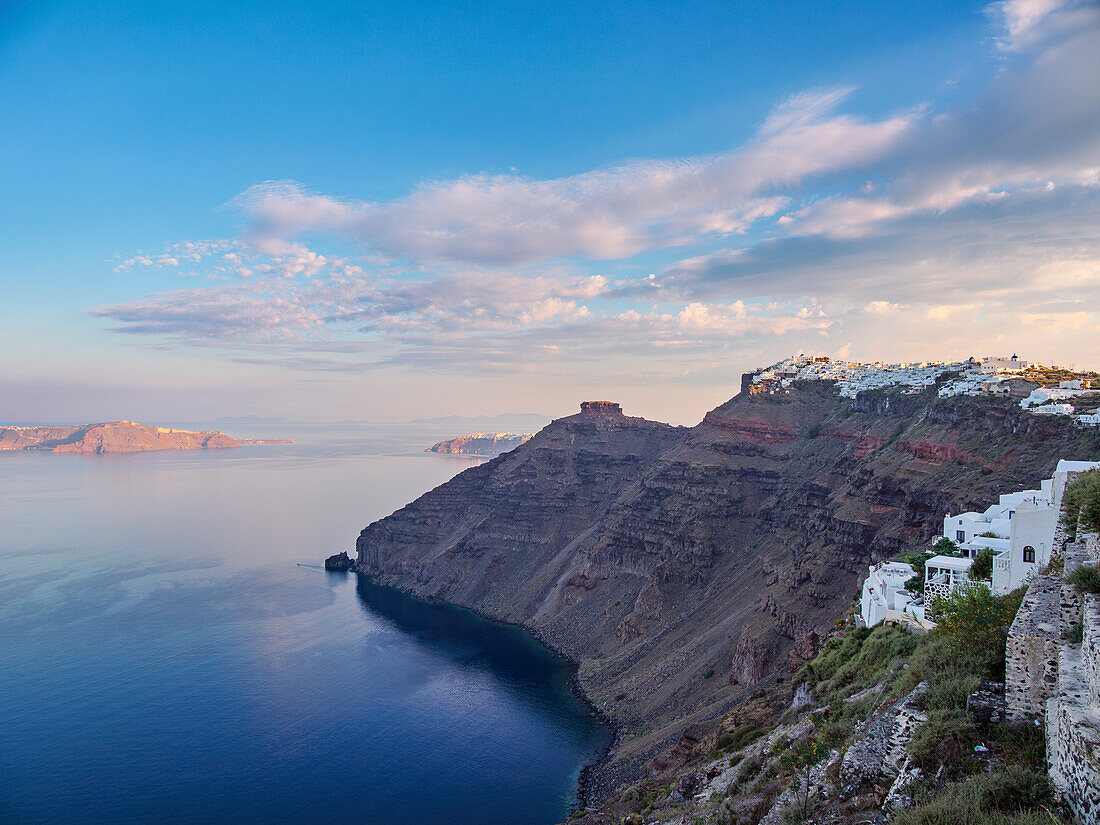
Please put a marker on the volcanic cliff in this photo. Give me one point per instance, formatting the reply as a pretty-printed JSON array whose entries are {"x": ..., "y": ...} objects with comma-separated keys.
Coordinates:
[
  {"x": 113, "y": 437},
  {"x": 481, "y": 444},
  {"x": 684, "y": 569}
]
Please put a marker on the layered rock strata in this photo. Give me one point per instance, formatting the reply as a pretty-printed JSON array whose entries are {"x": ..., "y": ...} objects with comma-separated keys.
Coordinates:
[
  {"x": 113, "y": 437},
  {"x": 480, "y": 444},
  {"x": 684, "y": 569}
]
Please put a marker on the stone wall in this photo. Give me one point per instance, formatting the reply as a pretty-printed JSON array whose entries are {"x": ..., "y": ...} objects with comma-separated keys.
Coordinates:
[
  {"x": 1031, "y": 652},
  {"x": 879, "y": 753},
  {"x": 1073, "y": 722},
  {"x": 1073, "y": 709}
]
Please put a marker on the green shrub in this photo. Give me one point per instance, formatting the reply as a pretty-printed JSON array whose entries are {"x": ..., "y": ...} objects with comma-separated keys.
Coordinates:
[
  {"x": 838, "y": 724},
  {"x": 982, "y": 568},
  {"x": 856, "y": 660},
  {"x": 977, "y": 622},
  {"x": 1075, "y": 633},
  {"x": 1014, "y": 796},
  {"x": 1019, "y": 743},
  {"x": 941, "y": 659},
  {"x": 946, "y": 738},
  {"x": 1015, "y": 789},
  {"x": 948, "y": 694},
  {"x": 1081, "y": 502},
  {"x": 739, "y": 738},
  {"x": 945, "y": 547},
  {"x": 1086, "y": 578}
]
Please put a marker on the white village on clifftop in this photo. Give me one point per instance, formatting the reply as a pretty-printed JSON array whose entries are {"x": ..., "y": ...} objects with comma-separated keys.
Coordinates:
[{"x": 1039, "y": 390}]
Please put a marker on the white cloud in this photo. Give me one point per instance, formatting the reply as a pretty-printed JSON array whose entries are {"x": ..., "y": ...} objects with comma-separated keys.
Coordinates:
[
  {"x": 604, "y": 214},
  {"x": 938, "y": 222}
]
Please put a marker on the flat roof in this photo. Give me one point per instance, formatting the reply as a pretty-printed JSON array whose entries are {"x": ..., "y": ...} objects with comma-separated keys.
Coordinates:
[
  {"x": 1076, "y": 466},
  {"x": 949, "y": 563}
]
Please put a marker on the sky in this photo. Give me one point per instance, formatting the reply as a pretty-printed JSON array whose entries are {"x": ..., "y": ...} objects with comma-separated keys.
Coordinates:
[{"x": 335, "y": 211}]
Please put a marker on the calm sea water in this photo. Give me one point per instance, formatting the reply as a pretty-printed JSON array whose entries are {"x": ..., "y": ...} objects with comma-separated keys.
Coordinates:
[{"x": 165, "y": 659}]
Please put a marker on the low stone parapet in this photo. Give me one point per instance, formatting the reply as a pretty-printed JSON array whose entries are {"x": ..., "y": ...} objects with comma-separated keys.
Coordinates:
[
  {"x": 1031, "y": 652},
  {"x": 1073, "y": 739}
]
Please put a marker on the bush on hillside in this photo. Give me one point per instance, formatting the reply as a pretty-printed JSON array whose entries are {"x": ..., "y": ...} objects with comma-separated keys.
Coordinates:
[
  {"x": 968, "y": 643},
  {"x": 1081, "y": 503},
  {"x": 1086, "y": 578},
  {"x": 739, "y": 738},
  {"x": 856, "y": 660},
  {"x": 1019, "y": 743},
  {"x": 946, "y": 738},
  {"x": 1014, "y": 796},
  {"x": 938, "y": 661},
  {"x": 948, "y": 694},
  {"x": 977, "y": 622}
]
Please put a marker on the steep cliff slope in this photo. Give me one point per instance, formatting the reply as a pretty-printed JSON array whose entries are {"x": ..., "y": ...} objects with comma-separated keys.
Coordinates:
[
  {"x": 483, "y": 444},
  {"x": 684, "y": 569}
]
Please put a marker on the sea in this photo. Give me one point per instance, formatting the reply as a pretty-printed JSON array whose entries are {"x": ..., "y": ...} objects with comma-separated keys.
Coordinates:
[{"x": 172, "y": 650}]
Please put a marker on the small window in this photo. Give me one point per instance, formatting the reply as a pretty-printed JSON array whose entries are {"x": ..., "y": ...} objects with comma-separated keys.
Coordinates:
[
  {"x": 960, "y": 535},
  {"x": 1029, "y": 554}
]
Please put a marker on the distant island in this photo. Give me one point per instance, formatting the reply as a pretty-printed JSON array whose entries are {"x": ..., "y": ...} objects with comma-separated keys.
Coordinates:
[
  {"x": 483, "y": 444},
  {"x": 117, "y": 437}
]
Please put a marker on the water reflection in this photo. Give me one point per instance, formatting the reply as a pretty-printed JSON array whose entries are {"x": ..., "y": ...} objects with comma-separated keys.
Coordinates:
[
  {"x": 164, "y": 659},
  {"x": 510, "y": 655}
]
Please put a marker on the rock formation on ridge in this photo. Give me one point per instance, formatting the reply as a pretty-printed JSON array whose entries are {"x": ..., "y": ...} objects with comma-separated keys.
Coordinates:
[{"x": 682, "y": 568}]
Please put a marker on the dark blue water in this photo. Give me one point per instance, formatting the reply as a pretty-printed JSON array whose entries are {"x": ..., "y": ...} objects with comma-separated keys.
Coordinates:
[{"x": 164, "y": 659}]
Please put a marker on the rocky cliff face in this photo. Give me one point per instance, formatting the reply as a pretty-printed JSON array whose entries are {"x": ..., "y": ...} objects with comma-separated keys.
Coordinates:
[
  {"x": 684, "y": 569},
  {"x": 483, "y": 444},
  {"x": 114, "y": 437}
]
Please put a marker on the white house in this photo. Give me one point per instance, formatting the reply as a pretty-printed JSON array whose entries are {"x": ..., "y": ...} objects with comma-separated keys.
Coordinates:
[
  {"x": 993, "y": 364},
  {"x": 1045, "y": 396},
  {"x": 884, "y": 591},
  {"x": 966, "y": 529},
  {"x": 1019, "y": 528},
  {"x": 1030, "y": 546},
  {"x": 942, "y": 574},
  {"x": 1052, "y": 409}
]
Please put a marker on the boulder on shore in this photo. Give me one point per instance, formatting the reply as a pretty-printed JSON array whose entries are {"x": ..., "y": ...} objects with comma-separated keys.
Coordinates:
[{"x": 341, "y": 561}]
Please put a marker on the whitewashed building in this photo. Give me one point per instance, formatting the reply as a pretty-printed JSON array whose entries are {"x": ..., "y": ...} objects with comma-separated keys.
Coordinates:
[
  {"x": 1019, "y": 528},
  {"x": 1045, "y": 396},
  {"x": 942, "y": 574},
  {"x": 884, "y": 592}
]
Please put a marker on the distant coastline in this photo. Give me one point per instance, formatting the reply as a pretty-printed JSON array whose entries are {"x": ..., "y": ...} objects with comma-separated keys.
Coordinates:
[
  {"x": 480, "y": 444},
  {"x": 117, "y": 437}
]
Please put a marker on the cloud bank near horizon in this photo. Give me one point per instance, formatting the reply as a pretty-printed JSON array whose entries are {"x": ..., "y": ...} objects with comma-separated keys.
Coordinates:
[{"x": 972, "y": 224}]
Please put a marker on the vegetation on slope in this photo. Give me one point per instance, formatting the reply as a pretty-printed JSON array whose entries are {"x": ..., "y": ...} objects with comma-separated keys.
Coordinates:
[
  {"x": 1081, "y": 503},
  {"x": 972, "y": 772}
]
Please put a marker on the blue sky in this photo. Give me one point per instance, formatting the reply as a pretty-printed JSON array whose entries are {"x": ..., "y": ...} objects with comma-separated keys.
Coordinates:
[{"x": 353, "y": 210}]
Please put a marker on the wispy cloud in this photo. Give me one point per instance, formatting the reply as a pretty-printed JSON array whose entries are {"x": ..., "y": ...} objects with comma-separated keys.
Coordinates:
[
  {"x": 825, "y": 228},
  {"x": 604, "y": 214}
]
